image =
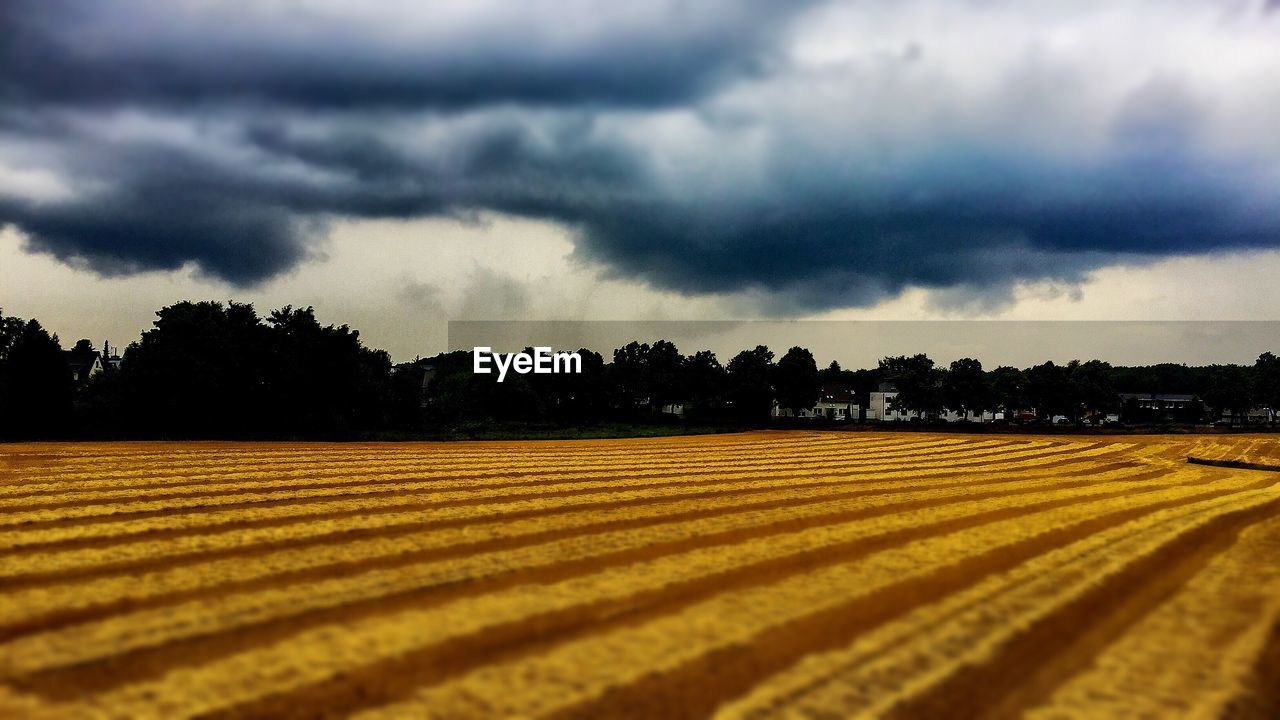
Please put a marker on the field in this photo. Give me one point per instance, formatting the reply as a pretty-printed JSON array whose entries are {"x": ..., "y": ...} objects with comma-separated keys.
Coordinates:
[{"x": 797, "y": 574}]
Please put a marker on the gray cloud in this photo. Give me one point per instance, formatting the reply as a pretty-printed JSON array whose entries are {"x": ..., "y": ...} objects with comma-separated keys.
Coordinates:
[
  {"x": 323, "y": 55},
  {"x": 827, "y": 156}
]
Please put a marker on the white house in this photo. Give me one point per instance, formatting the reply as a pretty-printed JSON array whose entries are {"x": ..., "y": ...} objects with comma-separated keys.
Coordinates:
[
  {"x": 881, "y": 408},
  {"x": 836, "y": 403},
  {"x": 84, "y": 363}
]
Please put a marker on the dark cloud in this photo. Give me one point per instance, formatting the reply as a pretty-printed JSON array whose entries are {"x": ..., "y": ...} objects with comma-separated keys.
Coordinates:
[
  {"x": 229, "y": 140},
  {"x": 79, "y": 52}
]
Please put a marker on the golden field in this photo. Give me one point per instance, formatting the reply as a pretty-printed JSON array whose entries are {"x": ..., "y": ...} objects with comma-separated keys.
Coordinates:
[{"x": 772, "y": 574}]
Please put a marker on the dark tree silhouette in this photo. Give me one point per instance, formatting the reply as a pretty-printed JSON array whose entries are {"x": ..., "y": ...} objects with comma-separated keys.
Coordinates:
[
  {"x": 1008, "y": 389},
  {"x": 1091, "y": 388},
  {"x": 750, "y": 384},
  {"x": 627, "y": 375},
  {"x": 1266, "y": 373},
  {"x": 1231, "y": 390},
  {"x": 407, "y": 394},
  {"x": 796, "y": 380},
  {"x": 207, "y": 369},
  {"x": 705, "y": 379},
  {"x": 966, "y": 388},
  {"x": 200, "y": 371},
  {"x": 581, "y": 397},
  {"x": 321, "y": 379},
  {"x": 35, "y": 382},
  {"x": 663, "y": 375},
  {"x": 1049, "y": 390},
  {"x": 918, "y": 382}
]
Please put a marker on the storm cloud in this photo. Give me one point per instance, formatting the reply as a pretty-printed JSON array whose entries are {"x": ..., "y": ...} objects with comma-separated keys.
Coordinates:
[{"x": 828, "y": 154}]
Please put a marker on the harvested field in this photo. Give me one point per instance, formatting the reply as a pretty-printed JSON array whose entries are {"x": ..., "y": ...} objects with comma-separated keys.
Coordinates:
[{"x": 798, "y": 574}]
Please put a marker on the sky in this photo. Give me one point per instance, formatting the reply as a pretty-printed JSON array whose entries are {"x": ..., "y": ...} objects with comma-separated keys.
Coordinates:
[{"x": 401, "y": 164}]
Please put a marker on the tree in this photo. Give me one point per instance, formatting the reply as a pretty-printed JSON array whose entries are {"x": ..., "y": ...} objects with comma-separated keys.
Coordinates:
[
  {"x": 407, "y": 394},
  {"x": 1049, "y": 390},
  {"x": 652, "y": 375},
  {"x": 627, "y": 374},
  {"x": 705, "y": 378},
  {"x": 966, "y": 388},
  {"x": 1266, "y": 374},
  {"x": 1008, "y": 389},
  {"x": 583, "y": 397},
  {"x": 1090, "y": 387},
  {"x": 750, "y": 384},
  {"x": 833, "y": 374},
  {"x": 796, "y": 380},
  {"x": 199, "y": 371},
  {"x": 211, "y": 370},
  {"x": 321, "y": 378},
  {"x": 1231, "y": 390},
  {"x": 35, "y": 382},
  {"x": 663, "y": 375},
  {"x": 10, "y": 329},
  {"x": 918, "y": 383}
]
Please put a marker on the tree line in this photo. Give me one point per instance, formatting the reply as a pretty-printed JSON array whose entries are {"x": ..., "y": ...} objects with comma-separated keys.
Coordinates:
[{"x": 209, "y": 369}]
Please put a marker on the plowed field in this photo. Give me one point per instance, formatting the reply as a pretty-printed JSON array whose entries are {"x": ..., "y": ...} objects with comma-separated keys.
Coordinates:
[{"x": 797, "y": 574}]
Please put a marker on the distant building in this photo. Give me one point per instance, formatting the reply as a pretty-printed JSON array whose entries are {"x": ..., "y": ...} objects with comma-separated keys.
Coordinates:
[
  {"x": 1254, "y": 416},
  {"x": 1163, "y": 406},
  {"x": 881, "y": 408},
  {"x": 1160, "y": 401},
  {"x": 838, "y": 403},
  {"x": 111, "y": 359},
  {"x": 806, "y": 413},
  {"x": 84, "y": 362},
  {"x": 835, "y": 402}
]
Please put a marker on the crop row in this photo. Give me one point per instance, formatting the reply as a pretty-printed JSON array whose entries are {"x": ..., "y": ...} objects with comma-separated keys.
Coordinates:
[
  {"x": 73, "y": 492},
  {"x": 204, "y": 476},
  {"x": 919, "y": 662},
  {"x": 675, "y": 521},
  {"x": 692, "y": 603},
  {"x": 101, "y": 527}
]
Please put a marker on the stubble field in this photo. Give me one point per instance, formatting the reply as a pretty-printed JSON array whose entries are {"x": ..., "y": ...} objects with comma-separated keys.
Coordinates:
[{"x": 797, "y": 574}]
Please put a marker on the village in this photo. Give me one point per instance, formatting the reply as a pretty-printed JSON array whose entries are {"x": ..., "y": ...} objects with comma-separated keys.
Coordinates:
[{"x": 840, "y": 405}]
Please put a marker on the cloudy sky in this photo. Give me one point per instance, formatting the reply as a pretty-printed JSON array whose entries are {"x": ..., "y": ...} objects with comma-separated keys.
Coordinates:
[{"x": 398, "y": 164}]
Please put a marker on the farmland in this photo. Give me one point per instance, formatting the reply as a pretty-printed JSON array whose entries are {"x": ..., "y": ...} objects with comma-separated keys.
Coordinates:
[{"x": 752, "y": 575}]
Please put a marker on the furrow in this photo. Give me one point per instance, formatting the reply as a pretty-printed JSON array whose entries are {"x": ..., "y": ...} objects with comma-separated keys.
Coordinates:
[
  {"x": 76, "y": 600},
  {"x": 110, "y": 535},
  {"x": 515, "y": 606},
  {"x": 633, "y": 661}
]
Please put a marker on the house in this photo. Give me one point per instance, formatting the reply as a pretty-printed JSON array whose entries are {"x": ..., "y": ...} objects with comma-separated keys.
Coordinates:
[
  {"x": 1163, "y": 406},
  {"x": 881, "y": 408},
  {"x": 1160, "y": 401},
  {"x": 1254, "y": 416},
  {"x": 836, "y": 402},
  {"x": 84, "y": 361},
  {"x": 111, "y": 359},
  {"x": 809, "y": 413}
]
